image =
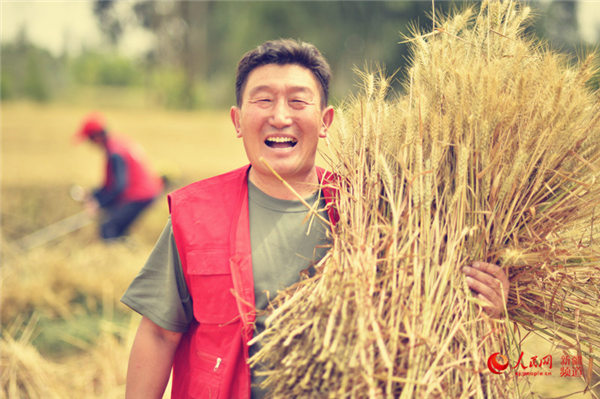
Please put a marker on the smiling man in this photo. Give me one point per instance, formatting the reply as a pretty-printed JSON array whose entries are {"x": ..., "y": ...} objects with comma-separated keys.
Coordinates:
[
  {"x": 235, "y": 239},
  {"x": 281, "y": 114}
]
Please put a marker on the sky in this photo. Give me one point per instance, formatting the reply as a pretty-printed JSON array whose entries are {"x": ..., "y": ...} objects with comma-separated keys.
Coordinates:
[
  {"x": 588, "y": 14},
  {"x": 60, "y": 24}
]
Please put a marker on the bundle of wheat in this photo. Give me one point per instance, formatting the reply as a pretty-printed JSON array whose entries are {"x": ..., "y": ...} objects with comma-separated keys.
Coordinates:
[
  {"x": 24, "y": 373},
  {"x": 46, "y": 285},
  {"x": 492, "y": 154},
  {"x": 98, "y": 372},
  {"x": 65, "y": 279}
]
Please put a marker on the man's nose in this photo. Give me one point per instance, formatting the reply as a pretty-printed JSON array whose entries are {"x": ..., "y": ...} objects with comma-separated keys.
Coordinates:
[{"x": 281, "y": 114}]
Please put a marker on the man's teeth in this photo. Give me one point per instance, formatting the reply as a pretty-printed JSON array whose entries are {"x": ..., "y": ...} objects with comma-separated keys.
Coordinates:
[{"x": 282, "y": 140}]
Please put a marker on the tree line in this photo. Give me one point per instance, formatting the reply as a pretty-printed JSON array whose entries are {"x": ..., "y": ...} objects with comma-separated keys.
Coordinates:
[{"x": 197, "y": 44}]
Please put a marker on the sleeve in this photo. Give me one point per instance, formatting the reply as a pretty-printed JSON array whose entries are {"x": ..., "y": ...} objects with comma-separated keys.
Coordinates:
[
  {"x": 159, "y": 291},
  {"x": 107, "y": 195}
]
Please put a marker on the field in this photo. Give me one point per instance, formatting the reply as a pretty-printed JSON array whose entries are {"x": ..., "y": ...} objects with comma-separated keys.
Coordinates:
[{"x": 64, "y": 332}]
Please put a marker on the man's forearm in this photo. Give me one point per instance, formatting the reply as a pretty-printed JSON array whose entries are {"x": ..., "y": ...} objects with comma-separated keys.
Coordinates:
[{"x": 150, "y": 361}]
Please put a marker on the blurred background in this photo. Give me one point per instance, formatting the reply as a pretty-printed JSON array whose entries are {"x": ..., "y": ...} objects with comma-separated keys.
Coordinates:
[
  {"x": 182, "y": 55},
  {"x": 161, "y": 73}
]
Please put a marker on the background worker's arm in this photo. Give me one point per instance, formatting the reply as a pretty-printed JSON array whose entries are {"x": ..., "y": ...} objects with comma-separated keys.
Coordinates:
[
  {"x": 150, "y": 361},
  {"x": 108, "y": 195}
]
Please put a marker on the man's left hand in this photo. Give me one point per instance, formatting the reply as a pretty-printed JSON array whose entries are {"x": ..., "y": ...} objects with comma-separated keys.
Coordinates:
[{"x": 490, "y": 284}]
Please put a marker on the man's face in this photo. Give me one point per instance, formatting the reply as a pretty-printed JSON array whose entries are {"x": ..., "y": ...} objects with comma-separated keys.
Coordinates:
[{"x": 281, "y": 120}]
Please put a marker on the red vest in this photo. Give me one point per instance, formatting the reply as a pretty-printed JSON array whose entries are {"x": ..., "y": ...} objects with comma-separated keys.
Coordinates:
[
  {"x": 142, "y": 183},
  {"x": 211, "y": 229}
]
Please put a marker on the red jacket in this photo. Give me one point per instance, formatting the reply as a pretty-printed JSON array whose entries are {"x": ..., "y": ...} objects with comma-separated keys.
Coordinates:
[
  {"x": 212, "y": 233},
  {"x": 142, "y": 183}
]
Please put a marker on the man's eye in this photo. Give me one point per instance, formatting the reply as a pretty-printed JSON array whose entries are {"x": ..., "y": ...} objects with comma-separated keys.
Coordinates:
[
  {"x": 261, "y": 101},
  {"x": 298, "y": 103}
]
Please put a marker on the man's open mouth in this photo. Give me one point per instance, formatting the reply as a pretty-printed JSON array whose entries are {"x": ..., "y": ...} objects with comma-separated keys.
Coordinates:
[{"x": 281, "y": 142}]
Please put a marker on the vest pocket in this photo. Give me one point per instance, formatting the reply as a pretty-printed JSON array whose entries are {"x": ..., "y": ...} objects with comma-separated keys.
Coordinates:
[
  {"x": 207, "y": 376},
  {"x": 211, "y": 285}
]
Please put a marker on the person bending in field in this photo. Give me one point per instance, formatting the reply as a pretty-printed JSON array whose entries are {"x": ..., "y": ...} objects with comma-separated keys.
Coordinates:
[
  {"x": 129, "y": 185},
  {"x": 233, "y": 237}
]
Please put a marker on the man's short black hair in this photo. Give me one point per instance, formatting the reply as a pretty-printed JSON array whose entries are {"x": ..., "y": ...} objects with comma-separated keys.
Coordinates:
[{"x": 282, "y": 52}]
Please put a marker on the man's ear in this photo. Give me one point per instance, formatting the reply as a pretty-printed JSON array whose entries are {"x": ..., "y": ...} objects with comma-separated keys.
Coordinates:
[
  {"x": 327, "y": 119},
  {"x": 234, "y": 113}
]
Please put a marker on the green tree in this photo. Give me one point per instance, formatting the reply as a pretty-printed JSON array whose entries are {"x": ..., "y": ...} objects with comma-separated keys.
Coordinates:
[
  {"x": 29, "y": 71},
  {"x": 93, "y": 67},
  {"x": 205, "y": 39}
]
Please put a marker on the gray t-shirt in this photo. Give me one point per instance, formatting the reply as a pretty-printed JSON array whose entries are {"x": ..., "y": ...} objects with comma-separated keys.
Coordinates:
[
  {"x": 284, "y": 239},
  {"x": 159, "y": 291}
]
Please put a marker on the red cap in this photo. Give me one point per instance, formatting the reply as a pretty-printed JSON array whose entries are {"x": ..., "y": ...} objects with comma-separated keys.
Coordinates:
[{"x": 94, "y": 123}]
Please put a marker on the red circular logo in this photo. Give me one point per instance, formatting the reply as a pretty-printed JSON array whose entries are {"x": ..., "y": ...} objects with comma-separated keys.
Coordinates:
[{"x": 495, "y": 366}]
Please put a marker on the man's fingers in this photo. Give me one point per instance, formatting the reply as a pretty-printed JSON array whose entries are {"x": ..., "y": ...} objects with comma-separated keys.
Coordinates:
[
  {"x": 495, "y": 272},
  {"x": 485, "y": 290},
  {"x": 492, "y": 304},
  {"x": 491, "y": 285},
  {"x": 488, "y": 307},
  {"x": 487, "y": 267},
  {"x": 485, "y": 279}
]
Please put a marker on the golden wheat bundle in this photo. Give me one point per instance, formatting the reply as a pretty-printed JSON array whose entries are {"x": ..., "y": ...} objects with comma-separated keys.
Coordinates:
[
  {"x": 492, "y": 154},
  {"x": 40, "y": 284},
  {"x": 24, "y": 372},
  {"x": 95, "y": 274},
  {"x": 98, "y": 373}
]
